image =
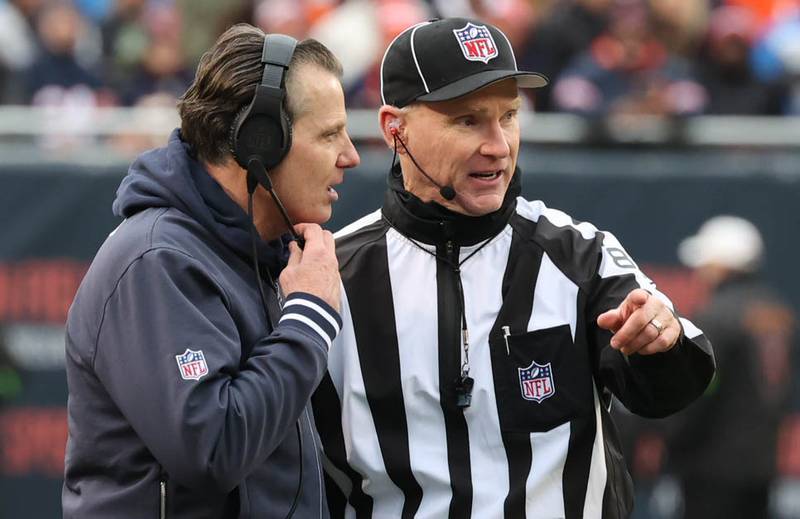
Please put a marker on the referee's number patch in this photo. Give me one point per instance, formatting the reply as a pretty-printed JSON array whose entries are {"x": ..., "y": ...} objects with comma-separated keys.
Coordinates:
[{"x": 620, "y": 258}]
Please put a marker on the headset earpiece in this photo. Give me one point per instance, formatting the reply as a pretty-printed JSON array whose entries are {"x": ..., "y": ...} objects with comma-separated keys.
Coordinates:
[
  {"x": 237, "y": 119},
  {"x": 262, "y": 130}
]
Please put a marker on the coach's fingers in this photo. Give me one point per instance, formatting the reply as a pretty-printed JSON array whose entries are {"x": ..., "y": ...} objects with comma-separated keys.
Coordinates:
[{"x": 295, "y": 254}]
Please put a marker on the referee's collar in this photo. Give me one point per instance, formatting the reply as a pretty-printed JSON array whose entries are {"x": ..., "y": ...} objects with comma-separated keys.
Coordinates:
[{"x": 430, "y": 222}]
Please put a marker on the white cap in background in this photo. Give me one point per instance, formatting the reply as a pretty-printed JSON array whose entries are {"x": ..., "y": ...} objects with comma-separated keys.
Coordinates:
[{"x": 729, "y": 241}]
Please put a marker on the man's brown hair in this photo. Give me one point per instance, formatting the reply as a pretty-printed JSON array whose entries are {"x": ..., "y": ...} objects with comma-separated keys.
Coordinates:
[{"x": 225, "y": 82}]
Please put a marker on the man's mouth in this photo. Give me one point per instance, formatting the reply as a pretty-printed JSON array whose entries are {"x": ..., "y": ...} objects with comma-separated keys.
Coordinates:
[
  {"x": 332, "y": 193},
  {"x": 487, "y": 175}
]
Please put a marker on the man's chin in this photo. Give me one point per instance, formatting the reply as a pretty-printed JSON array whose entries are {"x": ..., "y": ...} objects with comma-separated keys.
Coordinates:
[
  {"x": 318, "y": 217},
  {"x": 480, "y": 206}
]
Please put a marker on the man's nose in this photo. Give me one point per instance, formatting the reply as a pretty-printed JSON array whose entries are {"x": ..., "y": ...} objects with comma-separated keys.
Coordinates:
[
  {"x": 495, "y": 142},
  {"x": 349, "y": 158}
]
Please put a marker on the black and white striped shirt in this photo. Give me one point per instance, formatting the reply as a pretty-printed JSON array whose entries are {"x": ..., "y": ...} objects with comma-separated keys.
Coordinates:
[{"x": 537, "y": 441}]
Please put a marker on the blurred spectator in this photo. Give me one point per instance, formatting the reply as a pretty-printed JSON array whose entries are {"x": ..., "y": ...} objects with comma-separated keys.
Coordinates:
[
  {"x": 208, "y": 19},
  {"x": 161, "y": 68},
  {"x": 56, "y": 70},
  {"x": 358, "y": 32},
  {"x": 680, "y": 24},
  {"x": 94, "y": 10},
  {"x": 765, "y": 11},
  {"x": 776, "y": 57},
  {"x": 725, "y": 71},
  {"x": 161, "y": 71},
  {"x": 125, "y": 40},
  {"x": 62, "y": 79},
  {"x": 560, "y": 38},
  {"x": 28, "y": 10},
  {"x": 723, "y": 448},
  {"x": 296, "y": 18},
  {"x": 17, "y": 49},
  {"x": 628, "y": 71}
]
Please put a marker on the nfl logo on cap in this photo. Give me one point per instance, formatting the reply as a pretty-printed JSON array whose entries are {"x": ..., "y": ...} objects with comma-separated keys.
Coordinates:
[
  {"x": 424, "y": 63},
  {"x": 476, "y": 42}
]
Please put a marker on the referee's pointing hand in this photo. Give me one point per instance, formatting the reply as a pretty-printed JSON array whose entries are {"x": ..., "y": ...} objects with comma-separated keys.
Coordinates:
[{"x": 642, "y": 324}]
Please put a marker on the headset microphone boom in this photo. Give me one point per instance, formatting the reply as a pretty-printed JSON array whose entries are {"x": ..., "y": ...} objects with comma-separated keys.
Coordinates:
[{"x": 447, "y": 192}]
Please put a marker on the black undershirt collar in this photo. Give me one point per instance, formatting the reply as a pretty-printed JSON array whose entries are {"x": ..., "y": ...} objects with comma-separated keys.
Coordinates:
[{"x": 429, "y": 222}]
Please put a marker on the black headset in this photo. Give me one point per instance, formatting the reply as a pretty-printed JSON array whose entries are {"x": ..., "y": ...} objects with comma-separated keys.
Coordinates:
[{"x": 262, "y": 131}]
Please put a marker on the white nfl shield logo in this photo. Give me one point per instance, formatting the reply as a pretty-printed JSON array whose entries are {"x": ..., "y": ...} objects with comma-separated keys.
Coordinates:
[{"x": 476, "y": 42}]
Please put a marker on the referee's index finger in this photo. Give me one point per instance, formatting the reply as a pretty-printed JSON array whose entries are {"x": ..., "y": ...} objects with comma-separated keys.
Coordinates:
[{"x": 639, "y": 311}]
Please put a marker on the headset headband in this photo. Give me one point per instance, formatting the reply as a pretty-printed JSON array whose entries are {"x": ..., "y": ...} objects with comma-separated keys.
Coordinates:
[{"x": 262, "y": 131}]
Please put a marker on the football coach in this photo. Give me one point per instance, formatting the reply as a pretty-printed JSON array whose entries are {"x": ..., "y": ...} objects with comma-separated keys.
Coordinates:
[{"x": 202, "y": 328}]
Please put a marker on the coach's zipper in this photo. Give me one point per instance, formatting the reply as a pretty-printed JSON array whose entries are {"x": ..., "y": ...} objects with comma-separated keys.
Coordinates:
[
  {"x": 317, "y": 463},
  {"x": 162, "y": 499}
]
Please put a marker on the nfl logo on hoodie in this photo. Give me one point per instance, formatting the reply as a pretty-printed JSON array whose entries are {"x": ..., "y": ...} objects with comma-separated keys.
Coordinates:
[
  {"x": 476, "y": 42},
  {"x": 192, "y": 364}
]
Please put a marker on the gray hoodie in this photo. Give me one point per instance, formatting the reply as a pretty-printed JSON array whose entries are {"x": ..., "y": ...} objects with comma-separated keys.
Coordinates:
[{"x": 182, "y": 401}]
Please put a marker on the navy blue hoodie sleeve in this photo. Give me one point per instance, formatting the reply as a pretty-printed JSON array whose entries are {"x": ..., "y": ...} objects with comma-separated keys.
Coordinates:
[{"x": 209, "y": 423}]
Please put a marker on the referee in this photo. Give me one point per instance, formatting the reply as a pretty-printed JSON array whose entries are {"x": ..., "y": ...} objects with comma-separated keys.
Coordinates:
[{"x": 484, "y": 334}]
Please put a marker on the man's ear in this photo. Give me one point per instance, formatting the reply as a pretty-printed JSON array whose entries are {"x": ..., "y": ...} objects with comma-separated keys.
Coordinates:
[{"x": 391, "y": 120}]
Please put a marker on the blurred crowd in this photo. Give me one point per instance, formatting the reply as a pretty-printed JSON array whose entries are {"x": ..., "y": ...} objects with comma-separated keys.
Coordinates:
[{"x": 604, "y": 57}]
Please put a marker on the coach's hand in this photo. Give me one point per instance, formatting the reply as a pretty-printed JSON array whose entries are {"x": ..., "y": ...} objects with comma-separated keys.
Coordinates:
[
  {"x": 314, "y": 269},
  {"x": 642, "y": 324}
]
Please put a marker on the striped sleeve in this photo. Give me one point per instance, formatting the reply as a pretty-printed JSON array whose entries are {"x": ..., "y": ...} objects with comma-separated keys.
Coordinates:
[{"x": 311, "y": 315}]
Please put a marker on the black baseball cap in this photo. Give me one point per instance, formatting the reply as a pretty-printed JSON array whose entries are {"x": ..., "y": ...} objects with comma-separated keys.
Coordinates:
[{"x": 448, "y": 58}]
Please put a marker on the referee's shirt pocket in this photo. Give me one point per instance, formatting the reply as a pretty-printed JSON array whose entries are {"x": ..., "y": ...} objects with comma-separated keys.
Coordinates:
[{"x": 541, "y": 380}]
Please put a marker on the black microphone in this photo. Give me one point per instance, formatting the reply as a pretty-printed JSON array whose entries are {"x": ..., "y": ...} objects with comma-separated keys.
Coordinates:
[
  {"x": 257, "y": 174},
  {"x": 447, "y": 192}
]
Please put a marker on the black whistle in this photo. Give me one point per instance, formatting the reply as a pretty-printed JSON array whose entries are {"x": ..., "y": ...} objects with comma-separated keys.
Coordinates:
[{"x": 464, "y": 391}]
